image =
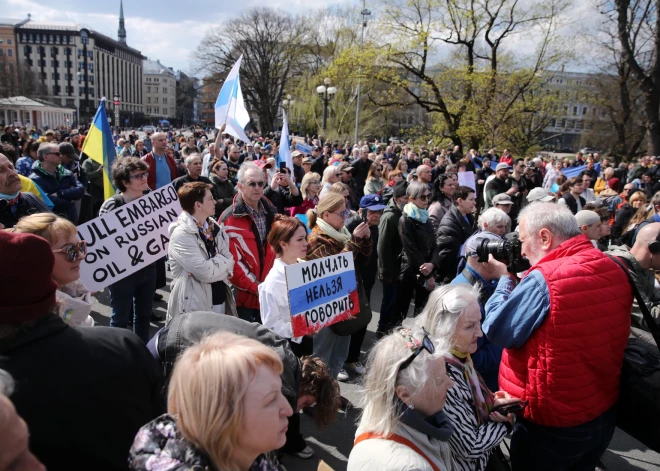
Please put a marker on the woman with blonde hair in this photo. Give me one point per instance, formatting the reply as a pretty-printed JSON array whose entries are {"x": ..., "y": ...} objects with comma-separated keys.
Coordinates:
[
  {"x": 74, "y": 301},
  {"x": 403, "y": 426},
  {"x": 310, "y": 189},
  {"x": 329, "y": 237},
  {"x": 374, "y": 179},
  {"x": 225, "y": 410},
  {"x": 402, "y": 166},
  {"x": 331, "y": 175},
  {"x": 344, "y": 190}
]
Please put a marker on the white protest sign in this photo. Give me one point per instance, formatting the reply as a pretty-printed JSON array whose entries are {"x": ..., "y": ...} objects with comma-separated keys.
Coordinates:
[
  {"x": 467, "y": 179},
  {"x": 123, "y": 241},
  {"x": 321, "y": 292}
]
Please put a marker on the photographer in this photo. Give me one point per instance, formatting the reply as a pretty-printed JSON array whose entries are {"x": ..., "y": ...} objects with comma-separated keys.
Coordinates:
[
  {"x": 484, "y": 275},
  {"x": 563, "y": 353}
]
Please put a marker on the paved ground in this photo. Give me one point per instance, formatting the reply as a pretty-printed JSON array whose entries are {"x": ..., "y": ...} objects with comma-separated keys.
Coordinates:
[{"x": 333, "y": 445}]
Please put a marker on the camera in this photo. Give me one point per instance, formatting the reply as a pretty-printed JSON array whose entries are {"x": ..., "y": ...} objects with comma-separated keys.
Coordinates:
[{"x": 507, "y": 251}]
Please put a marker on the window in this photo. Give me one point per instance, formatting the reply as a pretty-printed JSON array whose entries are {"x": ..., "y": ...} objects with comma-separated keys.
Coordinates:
[
  {"x": 30, "y": 37},
  {"x": 70, "y": 102},
  {"x": 155, "y": 99},
  {"x": 148, "y": 89},
  {"x": 148, "y": 99},
  {"x": 584, "y": 111},
  {"x": 51, "y": 38},
  {"x": 10, "y": 52},
  {"x": 23, "y": 37},
  {"x": 68, "y": 51},
  {"x": 2, "y": 52},
  {"x": 9, "y": 41},
  {"x": 164, "y": 101},
  {"x": 11, "y": 67},
  {"x": 574, "y": 110}
]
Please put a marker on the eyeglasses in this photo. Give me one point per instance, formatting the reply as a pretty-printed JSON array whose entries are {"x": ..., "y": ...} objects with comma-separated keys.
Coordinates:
[
  {"x": 73, "y": 251},
  {"x": 314, "y": 182},
  {"x": 140, "y": 176},
  {"x": 379, "y": 169},
  {"x": 424, "y": 197},
  {"x": 344, "y": 214},
  {"x": 425, "y": 344},
  {"x": 256, "y": 184},
  {"x": 55, "y": 153}
]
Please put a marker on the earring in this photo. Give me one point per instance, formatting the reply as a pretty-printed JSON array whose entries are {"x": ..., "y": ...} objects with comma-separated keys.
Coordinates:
[{"x": 411, "y": 407}]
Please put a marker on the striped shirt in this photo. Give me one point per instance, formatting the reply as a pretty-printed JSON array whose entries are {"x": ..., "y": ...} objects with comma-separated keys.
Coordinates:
[
  {"x": 471, "y": 444},
  {"x": 259, "y": 216}
]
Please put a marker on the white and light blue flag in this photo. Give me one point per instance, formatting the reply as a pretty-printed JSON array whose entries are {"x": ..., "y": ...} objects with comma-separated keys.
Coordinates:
[
  {"x": 230, "y": 106},
  {"x": 285, "y": 144}
]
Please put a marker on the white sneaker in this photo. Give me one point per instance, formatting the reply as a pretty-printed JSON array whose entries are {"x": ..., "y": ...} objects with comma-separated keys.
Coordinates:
[
  {"x": 357, "y": 367},
  {"x": 305, "y": 454},
  {"x": 342, "y": 376}
]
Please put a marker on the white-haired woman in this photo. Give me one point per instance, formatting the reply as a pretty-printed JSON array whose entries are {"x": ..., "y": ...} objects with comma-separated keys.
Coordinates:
[
  {"x": 310, "y": 189},
  {"x": 403, "y": 426},
  {"x": 496, "y": 221},
  {"x": 331, "y": 175},
  {"x": 226, "y": 410},
  {"x": 452, "y": 313}
]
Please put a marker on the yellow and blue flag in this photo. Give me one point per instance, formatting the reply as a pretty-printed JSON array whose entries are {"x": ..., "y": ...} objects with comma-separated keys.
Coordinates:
[{"x": 100, "y": 147}]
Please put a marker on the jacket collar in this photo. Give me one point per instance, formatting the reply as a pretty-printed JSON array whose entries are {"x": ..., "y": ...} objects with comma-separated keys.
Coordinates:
[
  {"x": 436, "y": 426},
  {"x": 241, "y": 210},
  {"x": 44, "y": 327},
  {"x": 569, "y": 247}
]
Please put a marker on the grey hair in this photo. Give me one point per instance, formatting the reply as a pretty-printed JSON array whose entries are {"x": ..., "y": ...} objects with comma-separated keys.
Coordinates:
[
  {"x": 443, "y": 309},
  {"x": 245, "y": 168},
  {"x": 188, "y": 160},
  {"x": 44, "y": 149},
  {"x": 380, "y": 413},
  {"x": 493, "y": 217},
  {"x": 416, "y": 189},
  {"x": 6, "y": 383},
  {"x": 556, "y": 218},
  {"x": 328, "y": 172}
]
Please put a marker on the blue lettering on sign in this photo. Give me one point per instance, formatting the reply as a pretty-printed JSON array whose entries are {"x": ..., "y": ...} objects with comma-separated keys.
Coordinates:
[
  {"x": 305, "y": 149},
  {"x": 321, "y": 291}
]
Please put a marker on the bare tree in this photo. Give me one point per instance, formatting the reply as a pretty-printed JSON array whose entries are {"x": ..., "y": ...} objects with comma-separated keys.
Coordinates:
[{"x": 270, "y": 42}]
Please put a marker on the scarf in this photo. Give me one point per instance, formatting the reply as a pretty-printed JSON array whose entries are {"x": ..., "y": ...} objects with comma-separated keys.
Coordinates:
[
  {"x": 415, "y": 213},
  {"x": 341, "y": 236},
  {"x": 481, "y": 395},
  {"x": 437, "y": 425},
  {"x": 13, "y": 199}
]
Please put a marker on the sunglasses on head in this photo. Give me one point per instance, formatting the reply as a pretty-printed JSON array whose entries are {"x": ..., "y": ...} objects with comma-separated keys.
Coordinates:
[
  {"x": 73, "y": 251},
  {"x": 256, "y": 184},
  {"x": 416, "y": 346}
]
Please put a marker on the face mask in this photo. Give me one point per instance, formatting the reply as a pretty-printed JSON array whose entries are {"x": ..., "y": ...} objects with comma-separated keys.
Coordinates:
[{"x": 9, "y": 197}]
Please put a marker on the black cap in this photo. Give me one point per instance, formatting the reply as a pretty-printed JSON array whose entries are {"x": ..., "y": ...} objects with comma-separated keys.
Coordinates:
[
  {"x": 68, "y": 150},
  {"x": 399, "y": 189}
]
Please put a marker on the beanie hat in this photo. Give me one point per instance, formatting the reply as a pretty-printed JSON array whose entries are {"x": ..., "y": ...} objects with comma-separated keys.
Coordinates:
[
  {"x": 399, "y": 189},
  {"x": 27, "y": 289},
  {"x": 586, "y": 217}
]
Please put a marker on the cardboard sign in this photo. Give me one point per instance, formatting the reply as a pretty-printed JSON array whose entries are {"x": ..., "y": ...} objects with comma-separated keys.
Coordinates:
[
  {"x": 304, "y": 148},
  {"x": 467, "y": 179},
  {"x": 321, "y": 292},
  {"x": 123, "y": 241}
]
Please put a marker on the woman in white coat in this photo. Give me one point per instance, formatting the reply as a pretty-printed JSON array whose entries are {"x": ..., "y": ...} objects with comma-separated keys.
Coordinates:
[
  {"x": 288, "y": 237},
  {"x": 199, "y": 255}
]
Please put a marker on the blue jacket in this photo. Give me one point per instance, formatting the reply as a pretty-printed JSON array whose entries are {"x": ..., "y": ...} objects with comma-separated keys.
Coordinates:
[
  {"x": 63, "y": 189},
  {"x": 488, "y": 355}
]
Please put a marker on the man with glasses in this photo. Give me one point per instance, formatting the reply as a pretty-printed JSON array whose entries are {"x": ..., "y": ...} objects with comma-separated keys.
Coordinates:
[
  {"x": 61, "y": 186},
  {"x": 247, "y": 222},
  {"x": 15, "y": 204}
]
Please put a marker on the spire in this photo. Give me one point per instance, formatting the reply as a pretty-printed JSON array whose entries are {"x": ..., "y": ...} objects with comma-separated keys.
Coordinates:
[{"x": 121, "y": 34}]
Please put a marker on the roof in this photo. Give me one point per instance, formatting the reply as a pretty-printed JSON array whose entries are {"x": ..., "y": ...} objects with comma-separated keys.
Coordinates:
[
  {"x": 156, "y": 68},
  {"x": 18, "y": 101},
  {"x": 9, "y": 21}
]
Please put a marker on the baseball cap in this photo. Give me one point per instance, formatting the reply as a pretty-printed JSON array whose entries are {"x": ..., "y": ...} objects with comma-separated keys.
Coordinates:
[
  {"x": 261, "y": 164},
  {"x": 502, "y": 198},
  {"x": 68, "y": 150},
  {"x": 399, "y": 189},
  {"x": 372, "y": 202},
  {"x": 539, "y": 194},
  {"x": 307, "y": 160},
  {"x": 345, "y": 167},
  {"x": 296, "y": 153},
  {"x": 502, "y": 166},
  {"x": 586, "y": 217}
]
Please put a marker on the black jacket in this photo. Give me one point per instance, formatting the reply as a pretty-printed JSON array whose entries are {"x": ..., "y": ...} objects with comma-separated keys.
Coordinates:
[
  {"x": 84, "y": 392},
  {"x": 418, "y": 241},
  {"x": 572, "y": 204},
  {"x": 369, "y": 268},
  {"x": 27, "y": 204},
  {"x": 188, "y": 328},
  {"x": 282, "y": 198},
  {"x": 389, "y": 243},
  {"x": 454, "y": 230}
]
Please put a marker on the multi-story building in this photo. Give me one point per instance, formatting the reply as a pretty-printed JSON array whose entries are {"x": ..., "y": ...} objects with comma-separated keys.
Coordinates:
[
  {"x": 210, "y": 89},
  {"x": 8, "y": 53},
  {"x": 159, "y": 91},
  {"x": 77, "y": 66}
]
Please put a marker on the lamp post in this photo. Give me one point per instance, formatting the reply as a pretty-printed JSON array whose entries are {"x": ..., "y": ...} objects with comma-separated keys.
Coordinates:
[
  {"x": 326, "y": 93},
  {"x": 364, "y": 14},
  {"x": 288, "y": 103}
]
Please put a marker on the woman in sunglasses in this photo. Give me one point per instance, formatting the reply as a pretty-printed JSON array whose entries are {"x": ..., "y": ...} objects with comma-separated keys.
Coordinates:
[
  {"x": 330, "y": 237},
  {"x": 74, "y": 301},
  {"x": 133, "y": 295},
  {"x": 453, "y": 313},
  {"x": 310, "y": 189},
  {"x": 403, "y": 426},
  {"x": 374, "y": 179},
  {"x": 419, "y": 256}
]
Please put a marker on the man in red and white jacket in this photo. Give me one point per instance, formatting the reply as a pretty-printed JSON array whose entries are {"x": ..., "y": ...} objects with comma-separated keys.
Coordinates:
[
  {"x": 162, "y": 169},
  {"x": 247, "y": 223},
  {"x": 564, "y": 330}
]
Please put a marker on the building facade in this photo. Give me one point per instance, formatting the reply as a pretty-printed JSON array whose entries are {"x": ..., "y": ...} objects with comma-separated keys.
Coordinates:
[
  {"x": 159, "y": 91},
  {"x": 210, "y": 89},
  {"x": 8, "y": 54},
  {"x": 77, "y": 66}
]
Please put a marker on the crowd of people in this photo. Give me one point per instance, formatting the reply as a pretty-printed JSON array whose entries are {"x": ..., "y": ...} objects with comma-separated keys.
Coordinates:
[{"x": 485, "y": 352}]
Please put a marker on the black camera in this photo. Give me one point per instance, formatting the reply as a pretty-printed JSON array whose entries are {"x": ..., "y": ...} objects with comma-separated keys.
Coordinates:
[{"x": 507, "y": 251}]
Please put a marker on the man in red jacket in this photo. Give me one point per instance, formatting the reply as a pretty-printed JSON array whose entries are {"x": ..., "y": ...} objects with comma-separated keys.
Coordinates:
[
  {"x": 162, "y": 169},
  {"x": 564, "y": 330},
  {"x": 247, "y": 222}
]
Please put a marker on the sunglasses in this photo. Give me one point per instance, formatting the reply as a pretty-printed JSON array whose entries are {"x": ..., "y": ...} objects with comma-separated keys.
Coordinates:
[
  {"x": 73, "y": 251},
  {"x": 314, "y": 182},
  {"x": 256, "y": 184},
  {"x": 55, "y": 153},
  {"x": 426, "y": 344},
  {"x": 140, "y": 176},
  {"x": 424, "y": 197}
]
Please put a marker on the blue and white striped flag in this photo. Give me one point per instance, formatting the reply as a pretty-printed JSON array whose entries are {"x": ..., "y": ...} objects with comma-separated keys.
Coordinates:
[
  {"x": 230, "y": 106},
  {"x": 285, "y": 145}
]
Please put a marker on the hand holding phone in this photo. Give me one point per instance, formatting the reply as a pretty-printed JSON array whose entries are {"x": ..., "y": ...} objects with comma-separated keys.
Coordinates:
[
  {"x": 513, "y": 407},
  {"x": 282, "y": 167}
]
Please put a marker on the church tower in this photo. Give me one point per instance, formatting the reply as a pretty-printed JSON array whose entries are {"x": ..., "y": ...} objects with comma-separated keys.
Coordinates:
[{"x": 121, "y": 34}]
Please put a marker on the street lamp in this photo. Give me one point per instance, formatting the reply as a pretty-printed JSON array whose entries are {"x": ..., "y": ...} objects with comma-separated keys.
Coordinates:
[
  {"x": 364, "y": 14},
  {"x": 288, "y": 103},
  {"x": 326, "y": 93}
]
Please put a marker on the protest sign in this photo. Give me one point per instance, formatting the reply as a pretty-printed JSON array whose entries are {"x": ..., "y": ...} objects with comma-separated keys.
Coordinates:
[
  {"x": 467, "y": 179},
  {"x": 304, "y": 148},
  {"x": 123, "y": 241},
  {"x": 321, "y": 292}
]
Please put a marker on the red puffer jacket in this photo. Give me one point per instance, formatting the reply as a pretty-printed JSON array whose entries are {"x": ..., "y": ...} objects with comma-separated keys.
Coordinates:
[
  {"x": 569, "y": 368},
  {"x": 253, "y": 258}
]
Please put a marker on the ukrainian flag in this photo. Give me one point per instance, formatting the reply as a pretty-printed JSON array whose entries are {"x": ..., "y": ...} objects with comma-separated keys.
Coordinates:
[{"x": 100, "y": 148}]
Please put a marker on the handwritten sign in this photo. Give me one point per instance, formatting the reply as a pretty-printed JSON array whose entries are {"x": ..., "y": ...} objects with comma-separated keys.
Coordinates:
[
  {"x": 321, "y": 293},
  {"x": 129, "y": 238},
  {"x": 467, "y": 179}
]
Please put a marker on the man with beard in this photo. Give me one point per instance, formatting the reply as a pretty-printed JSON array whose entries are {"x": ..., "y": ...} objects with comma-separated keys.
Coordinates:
[
  {"x": 232, "y": 161},
  {"x": 499, "y": 184}
]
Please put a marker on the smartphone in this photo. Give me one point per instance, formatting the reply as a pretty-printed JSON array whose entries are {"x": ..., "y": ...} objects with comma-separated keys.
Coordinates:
[
  {"x": 365, "y": 213},
  {"x": 282, "y": 167},
  {"x": 509, "y": 408}
]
